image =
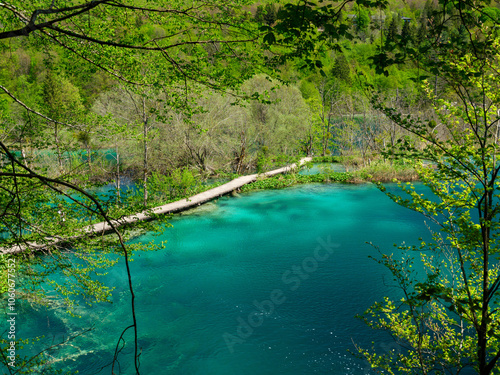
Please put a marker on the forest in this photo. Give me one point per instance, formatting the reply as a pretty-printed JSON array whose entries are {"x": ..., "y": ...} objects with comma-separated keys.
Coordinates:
[
  {"x": 158, "y": 101},
  {"x": 206, "y": 130}
]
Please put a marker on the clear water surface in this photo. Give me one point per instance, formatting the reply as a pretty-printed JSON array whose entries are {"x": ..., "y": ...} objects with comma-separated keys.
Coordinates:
[
  {"x": 317, "y": 168},
  {"x": 267, "y": 283}
]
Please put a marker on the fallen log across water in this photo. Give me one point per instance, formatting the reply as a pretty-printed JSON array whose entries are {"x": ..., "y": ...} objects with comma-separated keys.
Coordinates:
[{"x": 178, "y": 206}]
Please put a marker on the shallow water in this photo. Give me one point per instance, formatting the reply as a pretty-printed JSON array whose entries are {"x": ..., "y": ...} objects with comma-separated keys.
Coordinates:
[
  {"x": 267, "y": 283},
  {"x": 317, "y": 168}
]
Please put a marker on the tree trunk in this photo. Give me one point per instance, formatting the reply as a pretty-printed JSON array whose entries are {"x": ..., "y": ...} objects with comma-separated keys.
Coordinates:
[
  {"x": 89, "y": 156},
  {"x": 24, "y": 154},
  {"x": 118, "y": 186},
  {"x": 145, "y": 175},
  {"x": 239, "y": 160},
  {"x": 58, "y": 148},
  {"x": 145, "y": 134}
]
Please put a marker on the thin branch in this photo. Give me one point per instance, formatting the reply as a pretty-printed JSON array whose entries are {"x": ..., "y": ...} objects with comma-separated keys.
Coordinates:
[
  {"x": 30, "y": 27},
  {"x": 45, "y": 180},
  {"x": 33, "y": 111},
  {"x": 142, "y": 47}
]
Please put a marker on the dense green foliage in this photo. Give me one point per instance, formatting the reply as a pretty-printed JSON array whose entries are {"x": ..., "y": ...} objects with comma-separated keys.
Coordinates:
[
  {"x": 447, "y": 319},
  {"x": 205, "y": 130},
  {"x": 287, "y": 180}
]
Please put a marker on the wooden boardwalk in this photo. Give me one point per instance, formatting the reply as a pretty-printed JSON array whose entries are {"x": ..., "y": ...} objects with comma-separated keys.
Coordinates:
[{"x": 181, "y": 205}]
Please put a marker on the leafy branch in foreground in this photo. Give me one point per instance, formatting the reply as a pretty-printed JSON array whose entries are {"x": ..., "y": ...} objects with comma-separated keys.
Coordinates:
[
  {"x": 447, "y": 319},
  {"x": 13, "y": 219}
]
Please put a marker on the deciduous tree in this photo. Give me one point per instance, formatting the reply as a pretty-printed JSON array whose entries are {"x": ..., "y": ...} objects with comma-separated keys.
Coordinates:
[{"x": 447, "y": 319}]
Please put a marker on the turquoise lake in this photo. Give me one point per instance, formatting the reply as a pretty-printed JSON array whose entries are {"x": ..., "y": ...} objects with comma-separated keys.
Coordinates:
[{"x": 264, "y": 283}]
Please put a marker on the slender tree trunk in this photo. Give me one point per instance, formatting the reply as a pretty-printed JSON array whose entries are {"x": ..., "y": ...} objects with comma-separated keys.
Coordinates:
[
  {"x": 240, "y": 156},
  {"x": 329, "y": 127},
  {"x": 89, "y": 156},
  {"x": 311, "y": 143},
  {"x": 324, "y": 133},
  {"x": 145, "y": 175},
  {"x": 118, "y": 185},
  {"x": 58, "y": 148},
  {"x": 24, "y": 153},
  {"x": 145, "y": 134}
]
